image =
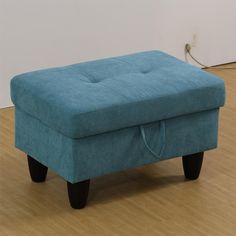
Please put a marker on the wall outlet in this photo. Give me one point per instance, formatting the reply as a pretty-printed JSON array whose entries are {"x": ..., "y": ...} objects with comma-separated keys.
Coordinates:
[
  {"x": 192, "y": 44},
  {"x": 187, "y": 47},
  {"x": 194, "y": 40}
]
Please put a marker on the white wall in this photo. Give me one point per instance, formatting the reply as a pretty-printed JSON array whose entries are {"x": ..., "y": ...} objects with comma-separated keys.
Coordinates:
[
  {"x": 213, "y": 22},
  {"x": 44, "y": 33}
]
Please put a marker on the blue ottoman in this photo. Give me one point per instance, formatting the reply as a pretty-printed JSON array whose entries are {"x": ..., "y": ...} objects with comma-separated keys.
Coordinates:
[{"x": 103, "y": 116}]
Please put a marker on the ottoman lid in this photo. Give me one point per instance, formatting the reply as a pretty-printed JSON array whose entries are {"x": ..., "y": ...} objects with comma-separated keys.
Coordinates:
[{"x": 105, "y": 95}]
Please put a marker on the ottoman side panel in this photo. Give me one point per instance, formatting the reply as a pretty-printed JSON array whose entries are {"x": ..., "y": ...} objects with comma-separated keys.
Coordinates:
[
  {"x": 123, "y": 149},
  {"x": 79, "y": 159},
  {"x": 49, "y": 147},
  {"x": 191, "y": 134}
]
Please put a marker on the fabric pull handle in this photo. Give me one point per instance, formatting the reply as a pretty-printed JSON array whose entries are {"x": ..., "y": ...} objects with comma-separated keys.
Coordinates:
[{"x": 162, "y": 133}]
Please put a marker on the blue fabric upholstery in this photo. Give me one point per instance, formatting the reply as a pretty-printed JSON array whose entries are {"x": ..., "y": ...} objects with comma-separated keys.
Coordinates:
[
  {"x": 105, "y": 95},
  {"x": 103, "y": 116},
  {"x": 79, "y": 159}
]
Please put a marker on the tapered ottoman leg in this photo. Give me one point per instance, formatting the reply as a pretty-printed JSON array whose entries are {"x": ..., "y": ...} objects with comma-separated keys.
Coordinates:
[
  {"x": 192, "y": 165},
  {"x": 38, "y": 171},
  {"x": 78, "y": 194}
]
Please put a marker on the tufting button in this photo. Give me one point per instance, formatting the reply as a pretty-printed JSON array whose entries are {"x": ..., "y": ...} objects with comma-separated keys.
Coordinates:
[{"x": 145, "y": 71}]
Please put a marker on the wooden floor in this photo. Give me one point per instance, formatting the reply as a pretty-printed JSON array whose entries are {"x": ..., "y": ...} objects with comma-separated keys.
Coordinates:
[{"x": 153, "y": 200}]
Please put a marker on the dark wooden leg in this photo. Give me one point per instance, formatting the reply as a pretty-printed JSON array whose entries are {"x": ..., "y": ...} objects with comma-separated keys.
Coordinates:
[
  {"x": 192, "y": 165},
  {"x": 38, "y": 171},
  {"x": 78, "y": 194}
]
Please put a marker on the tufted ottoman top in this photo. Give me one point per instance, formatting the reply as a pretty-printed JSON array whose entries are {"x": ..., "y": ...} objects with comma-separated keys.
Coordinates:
[{"x": 104, "y": 95}]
